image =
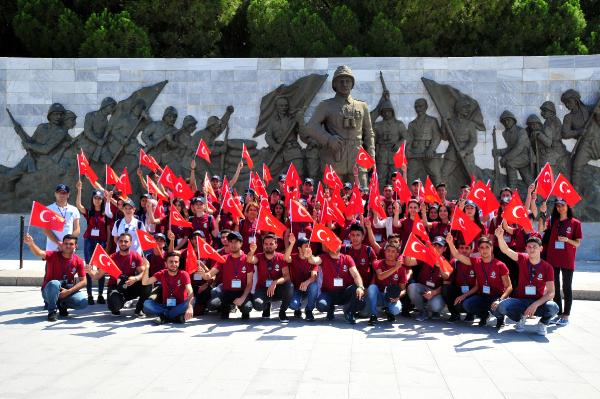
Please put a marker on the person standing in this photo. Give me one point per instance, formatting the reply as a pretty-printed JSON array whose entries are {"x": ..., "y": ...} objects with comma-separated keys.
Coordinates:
[{"x": 67, "y": 212}]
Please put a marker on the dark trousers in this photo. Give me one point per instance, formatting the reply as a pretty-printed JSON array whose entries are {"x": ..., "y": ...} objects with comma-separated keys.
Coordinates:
[
  {"x": 479, "y": 304},
  {"x": 347, "y": 297},
  {"x": 567, "y": 290},
  {"x": 116, "y": 300},
  {"x": 201, "y": 300},
  {"x": 450, "y": 292},
  {"x": 222, "y": 300},
  {"x": 283, "y": 292},
  {"x": 513, "y": 267}
]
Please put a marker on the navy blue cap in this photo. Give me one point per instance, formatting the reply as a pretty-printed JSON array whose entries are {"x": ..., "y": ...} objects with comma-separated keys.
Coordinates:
[
  {"x": 160, "y": 235},
  {"x": 234, "y": 235},
  {"x": 309, "y": 181},
  {"x": 62, "y": 187},
  {"x": 439, "y": 240},
  {"x": 198, "y": 199},
  {"x": 129, "y": 202},
  {"x": 97, "y": 193}
]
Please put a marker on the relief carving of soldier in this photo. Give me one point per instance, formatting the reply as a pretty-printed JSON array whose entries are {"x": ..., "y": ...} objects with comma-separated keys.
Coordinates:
[
  {"x": 546, "y": 140},
  {"x": 465, "y": 133},
  {"x": 423, "y": 138},
  {"x": 92, "y": 140},
  {"x": 516, "y": 157}
]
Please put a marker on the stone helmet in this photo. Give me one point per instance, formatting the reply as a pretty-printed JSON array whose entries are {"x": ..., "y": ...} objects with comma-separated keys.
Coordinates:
[
  {"x": 386, "y": 104},
  {"x": 189, "y": 120},
  {"x": 107, "y": 102},
  {"x": 531, "y": 119},
  {"x": 56, "y": 107},
  {"x": 507, "y": 115},
  {"x": 463, "y": 102},
  {"x": 212, "y": 120},
  {"x": 170, "y": 110},
  {"x": 69, "y": 115},
  {"x": 343, "y": 70},
  {"x": 571, "y": 93},
  {"x": 548, "y": 105}
]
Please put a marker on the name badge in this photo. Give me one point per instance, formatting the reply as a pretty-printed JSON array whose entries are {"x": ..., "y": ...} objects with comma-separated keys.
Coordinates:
[
  {"x": 378, "y": 237},
  {"x": 171, "y": 302},
  {"x": 236, "y": 283},
  {"x": 338, "y": 282},
  {"x": 301, "y": 235},
  {"x": 268, "y": 283},
  {"x": 346, "y": 242},
  {"x": 507, "y": 238},
  {"x": 251, "y": 240},
  {"x": 559, "y": 245},
  {"x": 486, "y": 289},
  {"x": 430, "y": 284},
  {"x": 95, "y": 233},
  {"x": 530, "y": 290},
  {"x": 464, "y": 289},
  {"x": 197, "y": 276}
]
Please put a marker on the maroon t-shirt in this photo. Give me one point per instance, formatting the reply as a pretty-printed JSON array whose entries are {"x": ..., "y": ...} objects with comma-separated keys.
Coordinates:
[
  {"x": 173, "y": 286},
  {"x": 248, "y": 230},
  {"x": 536, "y": 275},
  {"x": 363, "y": 259},
  {"x": 268, "y": 269},
  {"x": 301, "y": 270},
  {"x": 463, "y": 274},
  {"x": 126, "y": 263},
  {"x": 397, "y": 278},
  {"x": 489, "y": 274},
  {"x": 203, "y": 223},
  {"x": 563, "y": 258},
  {"x": 60, "y": 268},
  {"x": 157, "y": 262},
  {"x": 430, "y": 276},
  {"x": 439, "y": 229},
  {"x": 336, "y": 268},
  {"x": 234, "y": 269},
  {"x": 96, "y": 222},
  {"x": 406, "y": 225}
]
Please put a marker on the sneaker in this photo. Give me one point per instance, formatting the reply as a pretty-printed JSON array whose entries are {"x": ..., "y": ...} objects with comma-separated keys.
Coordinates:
[
  {"x": 554, "y": 320},
  {"x": 62, "y": 309},
  {"x": 436, "y": 315},
  {"x": 454, "y": 317},
  {"x": 52, "y": 316},
  {"x": 116, "y": 312},
  {"x": 91, "y": 300},
  {"x": 405, "y": 312},
  {"x": 372, "y": 320},
  {"x": 139, "y": 314},
  {"x": 330, "y": 315},
  {"x": 541, "y": 329},
  {"x": 180, "y": 319},
  {"x": 483, "y": 320},
  {"x": 499, "y": 322},
  {"x": 245, "y": 316},
  {"x": 309, "y": 315},
  {"x": 297, "y": 314},
  {"x": 390, "y": 317},
  {"x": 520, "y": 326},
  {"x": 349, "y": 316},
  {"x": 266, "y": 313},
  {"x": 283, "y": 317},
  {"x": 159, "y": 320},
  {"x": 469, "y": 317},
  {"x": 562, "y": 322},
  {"x": 422, "y": 316},
  {"x": 101, "y": 300}
]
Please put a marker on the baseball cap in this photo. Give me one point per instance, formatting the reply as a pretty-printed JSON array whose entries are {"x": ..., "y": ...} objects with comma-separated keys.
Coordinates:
[
  {"x": 470, "y": 203},
  {"x": 198, "y": 199},
  {"x": 62, "y": 187},
  {"x": 281, "y": 177},
  {"x": 216, "y": 177},
  {"x": 560, "y": 201},
  {"x": 439, "y": 240},
  {"x": 348, "y": 185},
  {"x": 302, "y": 241},
  {"x": 129, "y": 202},
  {"x": 234, "y": 235},
  {"x": 309, "y": 181},
  {"x": 97, "y": 193},
  {"x": 160, "y": 235}
]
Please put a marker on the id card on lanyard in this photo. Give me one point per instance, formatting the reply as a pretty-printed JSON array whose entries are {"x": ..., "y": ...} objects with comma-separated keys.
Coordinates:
[
  {"x": 337, "y": 280},
  {"x": 530, "y": 289},
  {"x": 236, "y": 282},
  {"x": 486, "y": 289}
]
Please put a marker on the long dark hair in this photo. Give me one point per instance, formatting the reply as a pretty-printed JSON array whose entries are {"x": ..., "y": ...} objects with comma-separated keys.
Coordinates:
[
  {"x": 92, "y": 210},
  {"x": 555, "y": 218}
]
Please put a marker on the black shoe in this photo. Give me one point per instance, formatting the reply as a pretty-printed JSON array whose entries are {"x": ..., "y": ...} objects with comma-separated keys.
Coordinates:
[
  {"x": 483, "y": 321},
  {"x": 52, "y": 316},
  {"x": 435, "y": 315},
  {"x": 372, "y": 320},
  {"x": 330, "y": 315},
  {"x": 266, "y": 313},
  {"x": 283, "y": 317},
  {"x": 62, "y": 309},
  {"x": 91, "y": 300},
  {"x": 101, "y": 300},
  {"x": 390, "y": 317},
  {"x": 405, "y": 312},
  {"x": 224, "y": 315},
  {"x": 116, "y": 312},
  {"x": 454, "y": 317},
  {"x": 349, "y": 316},
  {"x": 469, "y": 317},
  {"x": 499, "y": 322},
  {"x": 297, "y": 314},
  {"x": 309, "y": 315},
  {"x": 245, "y": 316},
  {"x": 180, "y": 319},
  {"x": 159, "y": 320}
]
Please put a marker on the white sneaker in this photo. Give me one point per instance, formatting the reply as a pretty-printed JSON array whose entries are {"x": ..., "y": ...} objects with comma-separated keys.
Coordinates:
[
  {"x": 520, "y": 326},
  {"x": 542, "y": 329}
]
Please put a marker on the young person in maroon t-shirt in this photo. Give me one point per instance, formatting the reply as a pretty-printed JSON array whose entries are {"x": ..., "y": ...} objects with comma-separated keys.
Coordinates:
[
  {"x": 460, "y": 285},
  {"x": 272, "y": 278},
  {"x": 59, "y": 289},
  {"x": 304, "y": 269},
  {"x": 237, "y": 277},
  {"x": 362, "y": 255},
  {"x": 561, "y": 240},
  {"x": 492, "y": 281},
  {"x": 535, "y": 291},
  {"x": 177, "y": 302},
  {"x": 202, "y": 221}
]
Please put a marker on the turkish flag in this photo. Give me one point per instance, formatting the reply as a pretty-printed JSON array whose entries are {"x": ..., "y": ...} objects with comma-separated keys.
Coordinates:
[
  {"x": 266, "y": 174},
  {"x": 430, "y": 195},
  {"x": 211, "y": 196},
  {"x": 330, "y": 213},
  {"x": 545, "y": 181},
  {"x": 337, "y": 200},
  {"x": 364, "y": 159},
  {"x": 225, "y": 185},
  {"x": 416, "y": 249},
  {"x": 483, "y": 196},
  {"x": 230, "y": 205},
  {"x": 298, "y": 213},
  {"x": 153, "y": 189},
  {"x": 320, "y": 197},
  {"x": 257, "y": 185},
  {"x": 268, "y": 222},
  {"x": 102, "y": 261},
  {"x": 444, "y": 265},
  {"x": 401, "y": 189},
  {"x": 85, "y": 169},
  {"x": 355, "y": 205},
  {"x": 159, "y": 212},
  {"x": 146, "y": 240},
  {"x": 331, "y": 178},
  {"x": 418, "y": 228},
  {"x": 168, "y": 178},
  {"x": 515, "y": 212},
  {"x": 292, "y": 179},
  {"x": 207, "y": 251},
  {"x": 176, "y": 219},
  {"x": 181, "y": 189},
  {"x": 191, "y": 259},
  {"x": 45, "y": 218},
  {"x": 112, "y": 178},
  {"x": 375, "y": 197},
  {"x": 400, "y": 156},
  {"x": 148, "y": 161},
  {"x": 462, "y": 223},
  {"x": 125, "y": 185},
  {"x": 326, "y": 237},
  {"x": 563, "y": 189},
  {"x": 246, "y": 156},
  {"x": 202, "y": 151}
]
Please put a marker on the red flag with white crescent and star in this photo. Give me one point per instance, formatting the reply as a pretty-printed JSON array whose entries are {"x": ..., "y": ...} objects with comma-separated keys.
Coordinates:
[
  {"x": 515, "y": 212},
  {"x": 112, "y": 178},
  {"x": 266, "y": 174},
  {"x": 544, "y": 181},
  {"x": 298, "y": 213},
  {"x": 326, "y": 237},
  {"x": 153, "y": 189},
  {"x": 331, "y": 178},
  {"x": 102, "y": 261},
  {"x": 45, "y": 218},
  {"x": 364, "y": 159},
  {"x": 416, "y": 249},
  {"x": 177, "y": 220},
  {"x": 563, "y": 189},
  {"x": 461, "y": 222},
  {"x": 148, "y": 161},
  {"x": 125, "y": 185},
  {"x": 246, "y": 156},
  {"x": 206, "y": 251},
  {"x": 191, "y": 259},
  {"x": 146, "y": 240},
  {"x": 268, "y": 222},
  {"x": 418, "y": 229},
  {"x": 430, "y": 195},
  {"x": 168, "y": 178},
  {"x": 401, "y": 189},
  {"x": 85, "y": 168},
  {"x": 202, "y": 151},
  {"x": 400, "y": 156},
  {"x": 230, "y": 205},
  {"x": 484, "y": 197}
]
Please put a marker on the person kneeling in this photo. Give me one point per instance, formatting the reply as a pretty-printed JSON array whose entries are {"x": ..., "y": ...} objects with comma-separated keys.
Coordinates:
[
  {"x": 304, "y": 273},
  {"x": 389, "y": 285},
  {"x": 177, "y": 293}
]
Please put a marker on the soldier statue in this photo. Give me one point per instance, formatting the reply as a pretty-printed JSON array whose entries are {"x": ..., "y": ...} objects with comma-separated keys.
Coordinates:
[
  {"x": 465, "y": 133},
  {"x": 422, "y": 140},
  {"x": 181, "y": 152},
  {"x": 341, "y": 125},
  {"x": 155, "y": 134},
  {"x": 214, "y": 127},
  {"x": 546, "y": 140},
  {"x": 588, "y": 148},
  {"x": 389, "y": 133},
  {"x": 122, "y": 133},
  {"x": 93, "y": 138},
  {"x": 517, "y": 155}
]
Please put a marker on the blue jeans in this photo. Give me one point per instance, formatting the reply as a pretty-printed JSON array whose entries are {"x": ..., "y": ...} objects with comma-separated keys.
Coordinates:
[
  {"x": 346, "y": 297},
  {"x": 415, "y": 293},
  {"x": 310, "y": 296},
  {"x": 89, "y": 244},
  {"x": 479, "y": 305},
  {"x": 515, "y": 307},
  {"x": 153, "y": 308},
  {"x": 50, "y": 294},
  {"x": 376, "y": 298}
]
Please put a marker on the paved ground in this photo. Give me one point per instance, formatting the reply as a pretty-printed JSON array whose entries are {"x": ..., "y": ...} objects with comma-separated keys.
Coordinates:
[{"x": 96, "y": 355}]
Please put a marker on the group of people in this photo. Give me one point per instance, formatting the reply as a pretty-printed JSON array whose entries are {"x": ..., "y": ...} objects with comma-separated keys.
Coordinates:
[{"x": 503, "y": 271}]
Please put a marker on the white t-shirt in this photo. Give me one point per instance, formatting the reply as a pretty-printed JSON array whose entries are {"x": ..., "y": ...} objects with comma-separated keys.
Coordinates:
[
  {"x": 70, "y": 213},
  {"x": 130, "y": 228}
]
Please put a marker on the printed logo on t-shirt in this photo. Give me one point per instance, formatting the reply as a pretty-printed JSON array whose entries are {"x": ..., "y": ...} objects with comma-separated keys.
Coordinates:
[
  {"x": 276, "y": 267},
  {"x": 205, "y": 225},
  {"x": 493, "y": 275},
  {"x": 396, "y": 277},
  {"x": 179, "y": 283},
  {"x": 472, "y": 273},
  {"x": 243, "y": 269},
  {"x": 363, "y": 261},
  {"x": 73, "y": 270},
  {"x": 133, "y": 265},
  {"x": 540, "y": 276},
  {"x": 345, "y": 268},
  {"x": 569, "y": 230}
]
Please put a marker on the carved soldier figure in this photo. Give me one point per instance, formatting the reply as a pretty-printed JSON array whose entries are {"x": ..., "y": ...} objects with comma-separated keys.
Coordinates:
[
  {"x": 389, "y": 132},
  {"x": 282, "y": 138},
  {"x": 93, "y": 138},
  {"x": 122, "y": 133},
  {"x": 342, "y": 125},
  {"x": 465, "y": 133},
  {"x": 546, "y": 140},
  {"x": 181, "y": 152},
  {"x": 422, "y": 139},
  {"x": 574, "y": 121},
  {"x": 156, "y": 133},
  {"x": 312, "y": 153},
  {"x": 588, "y": 149},
  {"x": 214, "y": 127},
  {"x": 517, "y": 154}
]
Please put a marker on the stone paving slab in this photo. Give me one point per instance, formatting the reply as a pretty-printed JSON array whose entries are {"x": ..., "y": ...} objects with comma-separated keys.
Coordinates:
[{"x": 209, "y": 358}]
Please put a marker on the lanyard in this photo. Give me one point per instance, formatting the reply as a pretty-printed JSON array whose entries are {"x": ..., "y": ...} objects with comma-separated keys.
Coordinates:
[
  {"x": 338, "y": 265},
  {"x": 485, "y": 271},
  {"x": 561, "y": 230},
  {"x": 66, "y": 266},
  {"x": 532, "y": 271},
  {"x": 269, "y": 268},
  {"x": 235, "y": 266},
  {"x": 64, "y": 215},
  {"x": 168, "y": 279},
  {"x": 431, "y": 273}
]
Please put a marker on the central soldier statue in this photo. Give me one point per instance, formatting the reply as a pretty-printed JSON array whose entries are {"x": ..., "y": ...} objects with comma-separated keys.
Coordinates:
[{"x": 341, "y": 125}]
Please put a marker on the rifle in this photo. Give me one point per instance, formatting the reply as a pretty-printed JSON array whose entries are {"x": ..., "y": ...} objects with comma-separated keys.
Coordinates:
[
  {"x": 129, "y": 136},
  {"x": 30, "y": 160},
  {"x": 225, "y": 145},
  {"x": 495, "y": 187},
  {"x": 584, "y": 131},
  {"x": 382, "y": 81}
]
